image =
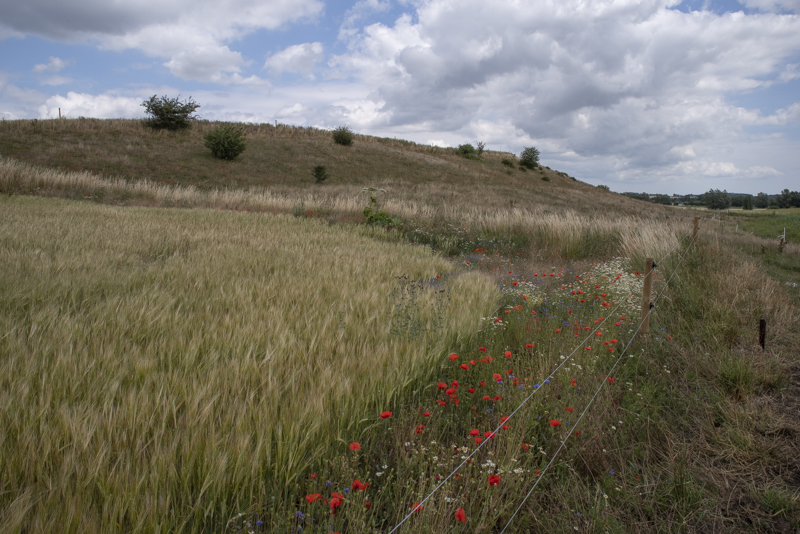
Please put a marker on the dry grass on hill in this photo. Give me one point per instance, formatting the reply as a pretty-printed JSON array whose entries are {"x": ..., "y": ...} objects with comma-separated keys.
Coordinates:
[{"x": 281, "y": 159}]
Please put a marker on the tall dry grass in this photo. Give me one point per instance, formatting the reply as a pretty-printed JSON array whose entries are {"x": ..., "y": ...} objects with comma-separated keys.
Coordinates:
[
  {"x": 163, "y": 369},
  {"x": 564, "y": 231}
]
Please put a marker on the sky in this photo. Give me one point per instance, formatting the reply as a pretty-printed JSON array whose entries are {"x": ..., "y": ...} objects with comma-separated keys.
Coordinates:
[{"x": 662, "y": 96}]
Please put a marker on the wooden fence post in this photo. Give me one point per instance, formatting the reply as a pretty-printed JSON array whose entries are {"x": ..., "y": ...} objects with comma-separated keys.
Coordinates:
[
  {"x": 648, "y": 284},
  {"x": 694, "y": 229},
  {"x": 762, "y": 332}
]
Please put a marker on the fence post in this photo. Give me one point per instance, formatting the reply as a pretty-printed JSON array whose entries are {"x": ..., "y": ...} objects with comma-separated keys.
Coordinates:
[
  {"x": 694, "y": 229},
  {"x": 762, "y": 332},
  {"x": 648, "y": 284}
]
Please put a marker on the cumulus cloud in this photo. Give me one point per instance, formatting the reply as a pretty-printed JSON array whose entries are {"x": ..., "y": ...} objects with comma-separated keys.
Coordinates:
[
  {"x": 105, "y": 106},
  {"x": 296, "y": 58},
  {"x": 194, "y": 35},
  {"x": 639, "y": 83}
]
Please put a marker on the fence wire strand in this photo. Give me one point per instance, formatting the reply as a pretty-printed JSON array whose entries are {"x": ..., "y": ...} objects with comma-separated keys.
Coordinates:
[
  {"x": 545, "y": 381},
  {"x": 597, "y": 392}
]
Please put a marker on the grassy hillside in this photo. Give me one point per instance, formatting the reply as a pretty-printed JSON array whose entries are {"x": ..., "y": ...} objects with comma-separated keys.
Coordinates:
[{"x": 281, "y": 159}]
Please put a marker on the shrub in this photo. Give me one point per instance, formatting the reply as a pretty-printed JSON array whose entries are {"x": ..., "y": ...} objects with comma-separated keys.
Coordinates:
[
  {"x": 522, "y": 168},
  {"x": 343, "y": 136},
  {"x": 529, "y": 157},
  {"x": 170, "y": 113},
  {"x": 378, "y": 217},
  {"x": 481, "y": 147},
  {"x": 225, "y": 141},
  {"x": 507, "y": 162},
  {"x": 545, "y": 178},
  {"x": 602, "y": 186},
  {"x": 468, "y": 151},
  {"x": 320, "y": 173}
]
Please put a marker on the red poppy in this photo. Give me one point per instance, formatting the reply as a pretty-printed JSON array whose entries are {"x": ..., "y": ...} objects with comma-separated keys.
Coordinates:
[
  {"x": 358, "y": 485},
  {"x": 482, "y": 349},
  {"x": 471, "y": 390},
  {"x": 487, "y": 397},
  {"x": 482, "y": 383},
  {"x": 311, "y": 497},
  {"x": 504, "y": 419},
  {"x": 313, "y": 476},
  {"x": 525, "y": 446},
  {"x": 450, "y": 391},
  {"x": 478, "y": 440},
  {"x": 508, "y": 354},
  {"x": 416, "y": 507},
  {"x": 368, "y": 504},
  {"x": 553, "y": 422},
  {"x": 426, "y": 414},
  {"x": 420, "y": 428},
  {"x": 453, "y": 357},
  {"x": 464, "y": 366},
  {"x": 334, "y": 504},
  {"x": 509, "y": 372},
  {"x": 497, "y": 377},
  {"x": 569, "y": 409},
  {"x": 489, "y": 434},
  {"x": 385, "y": 415},
  {"x": 442, "y": 385},
  {"x": 440, "y": 402},
  {"x": 494, "y": 480},
  {"x": 473, "y": 362},
  {"x": 355, "y": 446},
  {"x": 497, "y": 398},
  {"x": 573, "y": 382},
  {"x": 461, "y": 515}
]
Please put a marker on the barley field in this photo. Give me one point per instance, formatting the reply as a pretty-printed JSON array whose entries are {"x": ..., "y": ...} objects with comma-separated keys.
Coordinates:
[{"x": 163, "y": 369}]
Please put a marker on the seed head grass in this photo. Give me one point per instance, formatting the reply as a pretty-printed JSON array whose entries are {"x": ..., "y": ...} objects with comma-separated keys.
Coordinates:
[{"x": 163, "y": 369}]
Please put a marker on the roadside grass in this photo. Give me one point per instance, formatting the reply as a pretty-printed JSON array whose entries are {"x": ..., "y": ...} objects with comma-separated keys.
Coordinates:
[
  {"x": 691, "y": 434},
  {"x": 162, "y": 369}
]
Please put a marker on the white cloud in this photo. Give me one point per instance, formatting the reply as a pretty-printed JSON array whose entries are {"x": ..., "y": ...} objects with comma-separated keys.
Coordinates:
[
  {"x": 194, "y": 35},
  {"x": 105, "y": 106},
  {"x": 629, "y": 87},
  {"x": 53, "y": 65},
  {"x": 296, "y": 58}
]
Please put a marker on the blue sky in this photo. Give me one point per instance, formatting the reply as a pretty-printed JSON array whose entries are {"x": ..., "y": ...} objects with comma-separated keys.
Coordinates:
[{"x": 660, "y": 96}]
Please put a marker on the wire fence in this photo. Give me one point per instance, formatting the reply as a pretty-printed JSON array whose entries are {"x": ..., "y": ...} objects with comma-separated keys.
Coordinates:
[
  {"x": 505, "y": 420},
  {"x": 597, "y": 392}
]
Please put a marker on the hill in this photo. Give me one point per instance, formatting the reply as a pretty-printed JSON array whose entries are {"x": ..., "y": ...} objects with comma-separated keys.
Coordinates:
[{"x": 280, "y": 158}]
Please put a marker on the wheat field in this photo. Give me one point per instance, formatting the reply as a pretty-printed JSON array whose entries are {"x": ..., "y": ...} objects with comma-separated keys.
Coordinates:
[{"x": 163, "y": 369}]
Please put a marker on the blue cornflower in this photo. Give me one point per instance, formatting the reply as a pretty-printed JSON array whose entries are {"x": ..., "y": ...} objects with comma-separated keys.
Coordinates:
[
  {"x": 328, "y": 483},
  {"x": 299, "y": 514},
  {"x": 259, "y": 522},
  {"x": 347, "y": 490},
  {"x": 611, "y": 472},
  {"x": 536, "y": 386}
]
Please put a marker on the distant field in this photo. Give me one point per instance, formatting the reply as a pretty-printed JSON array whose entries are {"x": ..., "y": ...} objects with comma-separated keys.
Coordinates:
[{"x": 162, "y": 368}]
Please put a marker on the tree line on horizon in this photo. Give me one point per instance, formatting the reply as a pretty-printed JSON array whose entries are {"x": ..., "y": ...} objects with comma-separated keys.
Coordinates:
[{"x": 720, "y": 200}]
